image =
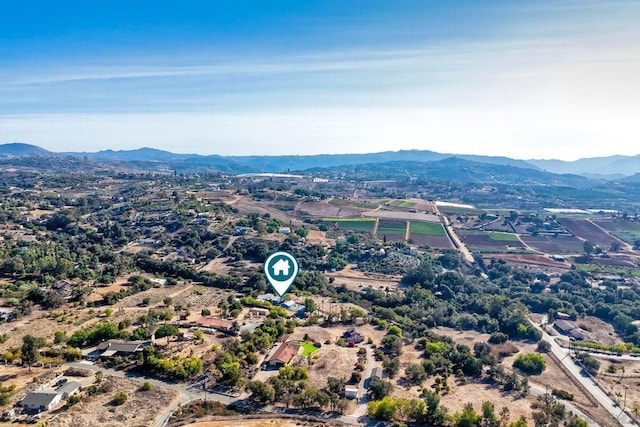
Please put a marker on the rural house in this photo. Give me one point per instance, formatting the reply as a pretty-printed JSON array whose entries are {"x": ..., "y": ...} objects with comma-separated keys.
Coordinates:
[
  {"x": 283, "y": 354},
  {"x": 112, "y": 347},
  {"x": 38, "y": 401},
  {"x": 216, "y": 323}
]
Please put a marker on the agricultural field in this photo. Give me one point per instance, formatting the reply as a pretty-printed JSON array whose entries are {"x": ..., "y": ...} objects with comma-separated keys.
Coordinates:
[
  {"x": 429, "y": 234},
  {"x": 426, "y": 228},
  {"x": 392, "y": 229},
  {"x": 504, "y": 237},
  {"x": 629, "y": 231},
  {"x": 403, "y": 203},
  {"x": 354, "y": 224},
  {"x": 352, "y": 203},
  {"x": 554, "y": 244},
  {"x": 587, "y": 230},
  {"x": 484, "y": 242}
]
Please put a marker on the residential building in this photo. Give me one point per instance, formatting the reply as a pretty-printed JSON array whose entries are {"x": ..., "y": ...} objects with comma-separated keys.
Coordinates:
[
  {"x": 38, "y": 401},
  {"x": 216, "y": 323},
  {"x": 351, "y": 392},
  {"x": 283, "y": 354},
  {"x": 112, "y": 347}
]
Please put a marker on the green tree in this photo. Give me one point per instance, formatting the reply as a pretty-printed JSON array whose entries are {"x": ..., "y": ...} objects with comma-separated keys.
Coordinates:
[
  {"x": 384, "y": 409},
  {"x": 467, "y": 418},
  {"x": 310, "y": 305},
  {"x": 379, "y": 388},
  {"x": 262, "y": 392},
  {"x": 520, "y": 422},
  {"x": 530, "y": 363},
  {"x": 31, "y": 349}
]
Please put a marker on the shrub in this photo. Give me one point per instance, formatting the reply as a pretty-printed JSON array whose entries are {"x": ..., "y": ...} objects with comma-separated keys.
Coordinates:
[
  {"x": 562, "y": 394},
  {"x": 146, "y": 386},
  {"x": 543, "y": 347},
  {"x": 530, "y": 363},
  {"x": 498, "y": 338},
  {"x": 119, "y": 398}
]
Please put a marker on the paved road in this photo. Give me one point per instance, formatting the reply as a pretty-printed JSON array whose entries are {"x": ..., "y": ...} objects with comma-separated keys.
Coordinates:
[
  {"x": 466, "y": 254},
  {"x": 587, "y": 382}
]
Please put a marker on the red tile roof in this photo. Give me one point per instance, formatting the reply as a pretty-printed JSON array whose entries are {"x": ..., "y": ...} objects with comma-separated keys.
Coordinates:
[
  {"x": 285, "y": 353},
  {"x": 214, "y": 322}
]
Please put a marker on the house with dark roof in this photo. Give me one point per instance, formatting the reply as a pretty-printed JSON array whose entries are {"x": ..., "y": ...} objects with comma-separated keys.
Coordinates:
[
  {"x": 38, "y": 401},
  {"x": 283, "y": 354},
  {"x": 112, "y": 347}
]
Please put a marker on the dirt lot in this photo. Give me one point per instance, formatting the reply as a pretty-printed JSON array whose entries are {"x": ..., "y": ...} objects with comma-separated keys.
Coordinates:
[
  {"x": 598, "y": 331},
  {"x": 140, "y": 409},
  {"x": 477, "y": 393},
  {"x": 317, "y": 237},
  {"x": 323, "y": 210},
  {"x": 356, "y": 279},
  {"x": 331, "y": 361}
]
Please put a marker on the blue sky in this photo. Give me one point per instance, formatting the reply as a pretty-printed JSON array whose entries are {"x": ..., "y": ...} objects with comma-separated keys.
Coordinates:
[{"x": 525, "y": 79}]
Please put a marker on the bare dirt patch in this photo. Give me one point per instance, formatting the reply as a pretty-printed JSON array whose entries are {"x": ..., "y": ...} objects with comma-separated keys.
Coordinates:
[
  {"x": 140, "y": 409},
  {"x": 357, "y": 280},
  {"x": 598, "y": 331},
  {"x": 317, "y": 237},
  {"x": 627, "y": 376},
  {"x": 476, "y": 393},
  {"x": 330, "y": 361}
]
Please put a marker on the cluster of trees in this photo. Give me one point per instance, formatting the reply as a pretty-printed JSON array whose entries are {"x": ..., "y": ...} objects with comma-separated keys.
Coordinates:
[
  {"x": 174, "y": 367},
  {"x": 292, "y": 388},
  {"x": 530, "y": 363}
]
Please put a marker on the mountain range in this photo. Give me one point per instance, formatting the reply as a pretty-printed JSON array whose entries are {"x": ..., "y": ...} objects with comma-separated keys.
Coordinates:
[{"x": 612, "y": 167}]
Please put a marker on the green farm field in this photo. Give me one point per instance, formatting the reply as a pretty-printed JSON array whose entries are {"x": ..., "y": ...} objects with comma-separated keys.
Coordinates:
[
  {"x": 403, "y": 204},
  {"x": 426, "y": 228},
  {"x": 504, "y": 237},
  {"x": 356, "y": 224}
]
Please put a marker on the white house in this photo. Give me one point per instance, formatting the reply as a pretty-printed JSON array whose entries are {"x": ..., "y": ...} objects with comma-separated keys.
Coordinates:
[
  {"x": 351, "y": 392},
  {"x": 38, "y": 401}
]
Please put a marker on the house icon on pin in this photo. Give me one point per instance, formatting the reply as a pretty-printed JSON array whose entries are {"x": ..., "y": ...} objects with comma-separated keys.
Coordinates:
[{"x": 281, "y": 268}]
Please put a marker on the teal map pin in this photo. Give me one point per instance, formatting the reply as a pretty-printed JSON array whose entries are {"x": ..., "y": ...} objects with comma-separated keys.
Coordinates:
[{"x": 281, "y": 269}]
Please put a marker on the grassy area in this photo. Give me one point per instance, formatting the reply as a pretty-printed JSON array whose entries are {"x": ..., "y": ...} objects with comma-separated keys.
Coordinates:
[
  {"x": 356, "y": 224},
  {"x": 404, "y": 203},
  {"x": 308, "y": 348},
  {"x": 426, "y": 228},
  {"x": 391, "y": 231},
  {"x": 504, "y": 237}
]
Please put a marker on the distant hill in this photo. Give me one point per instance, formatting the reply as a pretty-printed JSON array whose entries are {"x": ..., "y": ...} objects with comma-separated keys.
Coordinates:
[
  {"x": 614, "y": 166},
  {"x": 455, "y": 169},
  {"x": 17, "y": 149},
  {"x": 601, "y": 168}
]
